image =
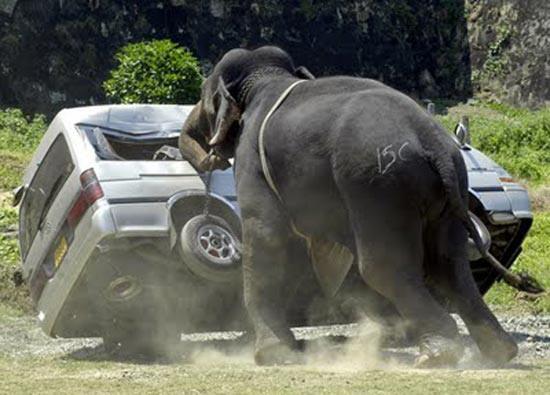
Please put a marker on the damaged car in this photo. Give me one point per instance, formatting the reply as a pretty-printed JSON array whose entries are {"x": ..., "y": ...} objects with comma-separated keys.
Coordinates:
[
  {"x": 121, "y": 238},
  {"x": 104, "y": 203}
]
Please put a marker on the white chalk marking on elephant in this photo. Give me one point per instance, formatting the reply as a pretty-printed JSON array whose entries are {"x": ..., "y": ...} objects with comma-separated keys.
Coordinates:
[
  {"x": 388, "y": 151},
  {"x": 400, "y": 152}
]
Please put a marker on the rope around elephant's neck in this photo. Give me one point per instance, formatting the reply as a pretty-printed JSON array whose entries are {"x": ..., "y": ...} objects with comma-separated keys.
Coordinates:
[
  {"x": 261, "y": 147},
  {"x": 208, "y": 196},
  {"x": 263, "y": 157}
]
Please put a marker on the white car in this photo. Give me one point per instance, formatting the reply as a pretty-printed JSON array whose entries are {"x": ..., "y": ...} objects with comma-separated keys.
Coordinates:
[{"x": 103, "y": 207}]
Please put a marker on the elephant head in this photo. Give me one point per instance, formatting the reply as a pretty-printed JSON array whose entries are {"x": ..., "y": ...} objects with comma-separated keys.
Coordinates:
[
  {"x": 193, "y": 145},
  {"x": 215, "y": 120}
]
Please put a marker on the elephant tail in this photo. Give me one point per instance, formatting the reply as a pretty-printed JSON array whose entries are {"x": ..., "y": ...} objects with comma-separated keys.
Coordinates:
[{"x": 446, "y": 166}]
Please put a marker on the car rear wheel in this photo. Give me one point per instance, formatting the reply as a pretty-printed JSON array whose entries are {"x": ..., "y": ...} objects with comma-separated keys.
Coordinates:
[{"x": 210, "y": 249}]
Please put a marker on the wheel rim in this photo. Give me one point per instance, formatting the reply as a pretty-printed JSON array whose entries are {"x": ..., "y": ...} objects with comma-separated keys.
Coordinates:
[
  {"x": 123, "y": 289},
  {"x": 216, "y": 244}
]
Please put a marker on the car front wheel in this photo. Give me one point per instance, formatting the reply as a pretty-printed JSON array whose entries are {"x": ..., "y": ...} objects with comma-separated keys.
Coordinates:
[{"x": 210, "y": 249}]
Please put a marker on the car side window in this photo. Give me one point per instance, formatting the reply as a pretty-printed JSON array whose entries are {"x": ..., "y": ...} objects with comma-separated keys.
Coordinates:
[{"x": 52, "y": 173}]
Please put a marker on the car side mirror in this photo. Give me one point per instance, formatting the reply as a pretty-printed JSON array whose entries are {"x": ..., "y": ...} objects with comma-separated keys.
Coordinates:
[
  {"x": 18, "y": 194},
  {"x": 462, "y": 131}
]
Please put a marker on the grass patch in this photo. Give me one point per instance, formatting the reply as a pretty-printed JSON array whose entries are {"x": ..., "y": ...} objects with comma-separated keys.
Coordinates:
[
  {"x": 12, "y": 166},
  {"x": 517, "y": 139},
  {"x": 61, "y": 376},
  {"x": 540, "y": 197},
  {"x": 9, "y": 313},
  {"x": 11, "y": 296},
  {"x": 536, "y": 261},
  {"x": 19, "y": 137}
]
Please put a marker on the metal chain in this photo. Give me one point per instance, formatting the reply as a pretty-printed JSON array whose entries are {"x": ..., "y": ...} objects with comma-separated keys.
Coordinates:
[{"x": 208, "y": 196}]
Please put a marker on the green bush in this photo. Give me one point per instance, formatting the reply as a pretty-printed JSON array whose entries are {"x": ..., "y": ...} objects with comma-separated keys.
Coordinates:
[
  {"x": 517, "y": 139},
  {"x": 19, "y": 133},
  {"x": 156, "y": 71},
  {"x": 19, "y": 137}
]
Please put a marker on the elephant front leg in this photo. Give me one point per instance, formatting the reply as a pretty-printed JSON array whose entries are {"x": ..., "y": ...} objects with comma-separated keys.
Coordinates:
[{"x": 265, "y": 260}]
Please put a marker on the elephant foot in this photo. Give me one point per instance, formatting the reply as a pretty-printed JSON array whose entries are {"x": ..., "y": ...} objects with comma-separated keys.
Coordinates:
[
  {"x": 277, "y": 354},
  {"x": 501, "y": 351},
  {"x": 437, "y": 351}
]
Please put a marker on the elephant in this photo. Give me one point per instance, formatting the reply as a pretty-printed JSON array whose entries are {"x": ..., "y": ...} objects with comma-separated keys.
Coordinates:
[{"x": 355, "y": 164}]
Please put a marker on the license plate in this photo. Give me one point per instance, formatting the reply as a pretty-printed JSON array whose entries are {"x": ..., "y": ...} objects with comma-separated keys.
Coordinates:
[{"x": 60, "y": 251}]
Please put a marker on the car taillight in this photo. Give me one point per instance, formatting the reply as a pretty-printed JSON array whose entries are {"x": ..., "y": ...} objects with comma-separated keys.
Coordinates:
[
  {"x": 90, "y": 192},
  {"x": 90, "y": 186}
]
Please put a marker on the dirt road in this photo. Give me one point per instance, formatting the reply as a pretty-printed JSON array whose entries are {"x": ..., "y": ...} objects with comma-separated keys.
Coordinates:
[
  {"x": 212, "y": 363},
  {"x": 21, "y": 337}
]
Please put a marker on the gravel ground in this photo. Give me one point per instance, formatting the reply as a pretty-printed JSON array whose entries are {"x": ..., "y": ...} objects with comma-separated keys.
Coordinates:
[{"x": 20, "y": 337}]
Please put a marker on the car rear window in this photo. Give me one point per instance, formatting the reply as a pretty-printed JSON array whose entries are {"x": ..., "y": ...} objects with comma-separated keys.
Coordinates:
[
  {"x": 48, "y": 180},
  {"x": 113, "y": 145}
]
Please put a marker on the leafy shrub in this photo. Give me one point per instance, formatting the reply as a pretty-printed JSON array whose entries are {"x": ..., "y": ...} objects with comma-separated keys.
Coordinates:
[
  {"x": 19, "y": 136},
  {"x": 18, "y": 133},
  {"x": 156, "y": 71}
]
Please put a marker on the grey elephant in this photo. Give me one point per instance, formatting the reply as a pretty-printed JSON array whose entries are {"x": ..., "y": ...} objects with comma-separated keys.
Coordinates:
[{"x": 361, "y": 173}]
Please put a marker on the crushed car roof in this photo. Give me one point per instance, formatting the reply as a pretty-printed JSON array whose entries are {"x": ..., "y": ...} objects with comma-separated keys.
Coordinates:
[{"x": 134, "y": 121}]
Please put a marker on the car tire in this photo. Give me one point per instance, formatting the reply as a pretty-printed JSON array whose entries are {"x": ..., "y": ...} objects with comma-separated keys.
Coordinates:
[{"x": 210, "y": 249}]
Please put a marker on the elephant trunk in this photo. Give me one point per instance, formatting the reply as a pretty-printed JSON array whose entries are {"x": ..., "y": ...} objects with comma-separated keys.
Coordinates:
[{"x": 191, "y": 137}]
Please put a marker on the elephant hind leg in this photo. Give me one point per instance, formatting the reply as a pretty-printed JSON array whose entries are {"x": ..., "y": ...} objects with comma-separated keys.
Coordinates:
[
  {"x": 389, "y": 247},
  {"x": 453, "y": 278}
]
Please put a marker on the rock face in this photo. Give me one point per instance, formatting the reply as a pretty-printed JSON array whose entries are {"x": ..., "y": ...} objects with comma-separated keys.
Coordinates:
[
  {"x": 7, "y": 6},
  {"x": 510, "y": 50},
  {"x": 56, "y": 53}
]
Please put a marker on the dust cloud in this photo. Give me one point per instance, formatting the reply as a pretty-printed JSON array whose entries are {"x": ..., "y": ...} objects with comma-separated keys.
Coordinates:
[
  {"x": 210, "y": 355},
  {"x": 362, "y": 351}
]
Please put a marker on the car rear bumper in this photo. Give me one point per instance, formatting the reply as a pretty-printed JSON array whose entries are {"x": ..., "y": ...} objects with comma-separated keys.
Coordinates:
[
  {"x": 93, "y": 228},
  {"x": 98, "y": 228}
]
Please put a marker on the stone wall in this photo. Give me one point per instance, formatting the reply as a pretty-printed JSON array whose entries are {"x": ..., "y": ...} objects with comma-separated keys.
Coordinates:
[
  {"x": 56, "y": 53},
  {"x": 510, "y": 50}
]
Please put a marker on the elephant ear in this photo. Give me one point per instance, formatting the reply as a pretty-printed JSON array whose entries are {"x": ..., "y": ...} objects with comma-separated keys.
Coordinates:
[
  {"x": 228, "y": 112},
  {"x": 304, "y": 73}
]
